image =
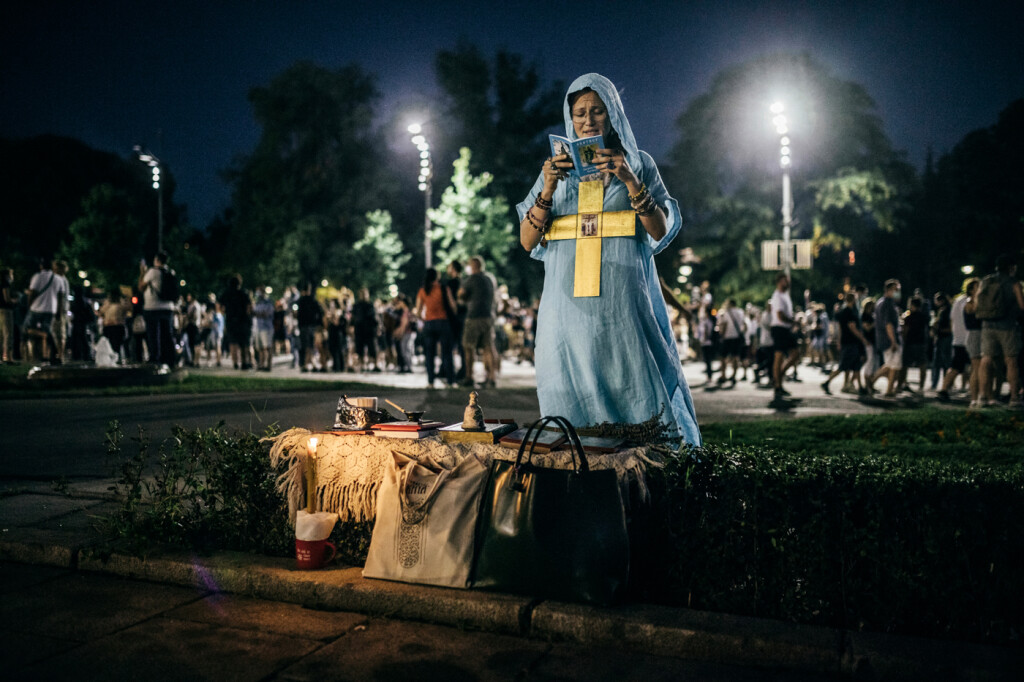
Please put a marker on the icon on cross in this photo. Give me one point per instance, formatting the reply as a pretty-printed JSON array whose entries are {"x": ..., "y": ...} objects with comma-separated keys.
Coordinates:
[{"x": 589, "y": 226}]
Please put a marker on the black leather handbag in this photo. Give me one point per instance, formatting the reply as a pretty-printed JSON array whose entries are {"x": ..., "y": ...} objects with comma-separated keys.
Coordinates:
[{"x": 552, "y": 533}]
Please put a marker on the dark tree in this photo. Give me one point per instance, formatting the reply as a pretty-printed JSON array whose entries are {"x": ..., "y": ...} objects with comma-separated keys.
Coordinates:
[
  {"x": 848, "y": 182},
  {"x": 502, "y": 111},
  {"x": 300, "y": 199},
  {"x": 43, "y": 184}
]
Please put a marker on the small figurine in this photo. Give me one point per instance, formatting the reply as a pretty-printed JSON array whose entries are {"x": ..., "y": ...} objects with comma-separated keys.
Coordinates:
[{"x": 473, "y": 417}]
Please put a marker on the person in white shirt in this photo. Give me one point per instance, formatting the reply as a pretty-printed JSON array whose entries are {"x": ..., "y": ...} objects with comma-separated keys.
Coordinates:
[
  {"x": 44, "y": 292},
  {"x": 158, "y": 313},
  {"x": 783, "y": 341},
  {"x": 961, "y": 357}
]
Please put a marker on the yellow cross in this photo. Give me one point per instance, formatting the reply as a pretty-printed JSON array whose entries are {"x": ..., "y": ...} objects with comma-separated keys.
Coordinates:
[{"x": 588, "y": 227}]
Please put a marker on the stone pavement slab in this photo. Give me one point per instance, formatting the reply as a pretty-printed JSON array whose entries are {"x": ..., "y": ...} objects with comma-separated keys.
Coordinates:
[
  {"x": 28, "y": 510},
  {"x": 82, "y": 607},
  {"x": 569, "y": 662},
  {"x": 268, "y": 616},
  {"x": 386, "y": 651},
  {"x": 166, "y": 649}
]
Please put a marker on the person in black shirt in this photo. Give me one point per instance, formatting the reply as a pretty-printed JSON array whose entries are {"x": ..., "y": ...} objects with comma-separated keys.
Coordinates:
[
  {"x": 915, "y": 344},
  {"x": 851, "y": 347},
  {"x": 238, "y": 322},
  {"x": 309, "y": 316}
]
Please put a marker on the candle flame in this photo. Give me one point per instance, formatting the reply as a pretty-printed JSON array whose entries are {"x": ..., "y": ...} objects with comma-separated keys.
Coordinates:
[{"x": 312, "y": 447}]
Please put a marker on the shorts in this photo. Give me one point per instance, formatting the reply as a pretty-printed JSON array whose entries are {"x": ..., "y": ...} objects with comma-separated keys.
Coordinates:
[
  {"x": 732, "y": 348},
  {"x": 263, "y": 339},
  {"x": 892, "y": 358},
  {"x": 849, "y": 358},
  {"x": 36, "y": 322},
  {"x": 915, "y": 354},
  {"x": 974, "y": 343},
  {"x": 960, "y": 359},
  {"x": 783, "y": 340},
  {"x": 239, "y": 333},
  {"x": 307, "y": 336},
  {"x": 366, "y": 343},
  {"x": 1000, "y": 341},
  {"x": 478, "y": 333}
]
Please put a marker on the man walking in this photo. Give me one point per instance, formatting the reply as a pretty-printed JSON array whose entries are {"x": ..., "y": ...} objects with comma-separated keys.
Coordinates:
[
  {"x": 887, "y": 337},
  {"x": 783, "y": 341},
  {"x": 1000, "y": 302},
  {"x": 158, "y": 312},
  {"x": 478, "y": 294},
  {"x": 44, "y": 291}
]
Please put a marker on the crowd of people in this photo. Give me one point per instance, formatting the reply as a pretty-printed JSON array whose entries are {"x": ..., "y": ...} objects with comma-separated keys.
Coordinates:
[
  {"x": 936, "y": 346},
  {"x": 247, "y": 328},
  {"x": 970, "y": 343}
]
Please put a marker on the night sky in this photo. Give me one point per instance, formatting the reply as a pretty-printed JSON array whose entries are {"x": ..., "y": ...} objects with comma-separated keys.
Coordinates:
[{"x": 112, "y": 74}]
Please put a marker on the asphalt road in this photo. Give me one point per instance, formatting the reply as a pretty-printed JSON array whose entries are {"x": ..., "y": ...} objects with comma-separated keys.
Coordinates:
[{"x": 48, "y": 438}]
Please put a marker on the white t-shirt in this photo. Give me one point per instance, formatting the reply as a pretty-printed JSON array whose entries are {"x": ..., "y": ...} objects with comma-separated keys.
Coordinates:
[
  {"x": 956, "y": 319},
  {"x": 46, "y": 302},
  {"x": 781, "y": 303},
  {"x": 730, "y": 322},
  {"x": 151, "y": 291}
]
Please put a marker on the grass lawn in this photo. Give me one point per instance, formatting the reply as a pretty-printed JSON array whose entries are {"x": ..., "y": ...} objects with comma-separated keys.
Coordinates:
[
  {"x": 12, "y": 385},
  {"x": 989, "y": 437}
]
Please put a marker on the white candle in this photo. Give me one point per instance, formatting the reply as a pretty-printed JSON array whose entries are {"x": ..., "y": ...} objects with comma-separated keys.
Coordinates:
[{"x": 311, "y": 475}]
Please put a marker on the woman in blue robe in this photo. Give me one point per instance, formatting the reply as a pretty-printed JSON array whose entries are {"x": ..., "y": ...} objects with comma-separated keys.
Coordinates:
[{"x": 610, "y": 356}]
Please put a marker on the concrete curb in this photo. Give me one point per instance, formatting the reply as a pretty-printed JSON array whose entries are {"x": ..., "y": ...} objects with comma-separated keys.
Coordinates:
[{"x": 657, "y": 630}]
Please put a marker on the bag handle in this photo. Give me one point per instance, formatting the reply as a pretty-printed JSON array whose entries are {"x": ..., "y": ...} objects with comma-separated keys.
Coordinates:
[
  {"x": 403, "y": 481},
  {"x": 567, "y": 429}
]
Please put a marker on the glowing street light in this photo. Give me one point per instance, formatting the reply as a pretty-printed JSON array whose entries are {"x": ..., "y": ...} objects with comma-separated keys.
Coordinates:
[
  {"x": 424, "y": 184},
  {"x": 154, "y": 165},
  {"x": 781, "y": 124}
]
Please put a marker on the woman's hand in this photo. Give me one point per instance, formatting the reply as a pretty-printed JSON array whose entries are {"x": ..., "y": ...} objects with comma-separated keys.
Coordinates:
[
  {"x": 555, "y": 169},
  {"x": 613, "y": 162}
]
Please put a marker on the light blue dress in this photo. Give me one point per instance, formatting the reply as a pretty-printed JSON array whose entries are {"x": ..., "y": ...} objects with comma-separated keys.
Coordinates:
[{"x": 610, "y": 357}]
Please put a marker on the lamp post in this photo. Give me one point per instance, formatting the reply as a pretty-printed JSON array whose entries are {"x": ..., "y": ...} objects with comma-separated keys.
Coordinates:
[
  {"x": 785, "y": 161},
  {"x": 425, "y": 186},
  {"x": 154, "y": 165}
]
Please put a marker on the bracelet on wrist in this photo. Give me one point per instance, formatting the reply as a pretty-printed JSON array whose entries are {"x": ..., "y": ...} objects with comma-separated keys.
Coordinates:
[
  {"x": 639, "y": 194},
  {"x": 542, "y": 203},
  {"x": 541, "y": 227}
]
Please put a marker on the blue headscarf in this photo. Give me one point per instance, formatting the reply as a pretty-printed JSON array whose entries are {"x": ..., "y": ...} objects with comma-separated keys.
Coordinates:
[{"x": 616, "y": 114}]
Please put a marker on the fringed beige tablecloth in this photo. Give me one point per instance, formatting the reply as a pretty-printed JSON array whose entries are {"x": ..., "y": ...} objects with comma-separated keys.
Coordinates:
[{"x": 350, "y": 468}]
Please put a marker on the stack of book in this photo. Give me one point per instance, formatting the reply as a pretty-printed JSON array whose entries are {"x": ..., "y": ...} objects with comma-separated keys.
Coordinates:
[{"x": 407, "y": 429}]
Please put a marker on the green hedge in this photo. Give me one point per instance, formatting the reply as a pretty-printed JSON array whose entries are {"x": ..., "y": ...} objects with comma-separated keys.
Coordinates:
[
  {"x": 861, "y": 540},
  {"x": 882, "y": 543}
]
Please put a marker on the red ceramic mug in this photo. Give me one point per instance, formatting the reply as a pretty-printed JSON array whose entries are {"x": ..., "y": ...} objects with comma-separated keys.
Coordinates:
[{"x": 312, "y": 554}]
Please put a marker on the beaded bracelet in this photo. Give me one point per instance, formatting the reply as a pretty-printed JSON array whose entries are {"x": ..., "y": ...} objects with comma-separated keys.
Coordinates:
[
  {"x": 639, "y": 199},
  {"x": 543, "y": 227},
  {"x": 640, "y": 193},
  {"x": 543, "y": 203}
]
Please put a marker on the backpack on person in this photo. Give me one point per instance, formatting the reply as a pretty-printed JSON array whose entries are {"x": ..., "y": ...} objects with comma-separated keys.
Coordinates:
[
  {"x": 169, "y": 288},
  {"x": 993, "y": 300}
]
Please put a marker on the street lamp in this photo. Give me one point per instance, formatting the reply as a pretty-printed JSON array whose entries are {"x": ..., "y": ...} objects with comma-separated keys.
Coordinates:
[
  {"x": 425, "y": 186},
  {"x": 154, "y": 165},
  {"x": 785, "y": 161}
]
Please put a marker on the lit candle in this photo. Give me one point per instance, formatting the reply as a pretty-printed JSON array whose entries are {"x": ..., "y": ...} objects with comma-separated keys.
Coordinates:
[{"x": 311, "y": 475}]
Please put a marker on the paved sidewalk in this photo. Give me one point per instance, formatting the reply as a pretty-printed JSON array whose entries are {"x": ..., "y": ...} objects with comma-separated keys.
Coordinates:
[{"x": 72, "y": 610}]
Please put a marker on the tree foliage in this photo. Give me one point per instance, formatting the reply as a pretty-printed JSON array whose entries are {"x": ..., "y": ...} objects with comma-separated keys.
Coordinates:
[
  {"x": 46, "y": 181},
  {"x": 502, "y": 109},
  {"x": 380, "y": 254},
  {"x": 847, "y": 179},
  {"x": 300, "y": 197},
  {"x": 107, "y": 239},
  {"x": 469, "y": 222}
]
